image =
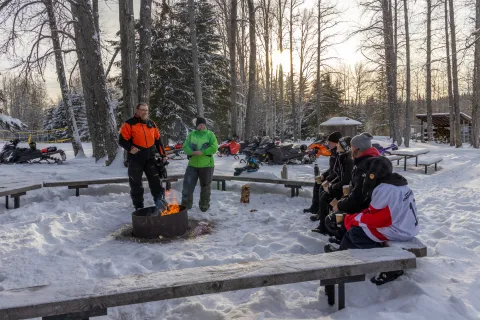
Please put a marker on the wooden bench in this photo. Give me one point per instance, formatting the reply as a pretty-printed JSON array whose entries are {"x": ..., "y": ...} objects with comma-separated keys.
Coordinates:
[
  {"x": 410, "y": 153},
  {"x": 93, "y": 297},
  {"x": 394, "y": 158},
  {"x": 428, "y": 161},
  {"x": 82, "y": 184},
  {"x": 414, "y": 246},
  {"x": 294, "y": 185},
  {"x": 15, "y": 192}
]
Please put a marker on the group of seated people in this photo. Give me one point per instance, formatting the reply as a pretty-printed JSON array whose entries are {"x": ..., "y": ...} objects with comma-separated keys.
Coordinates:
[{"x": 359, "y": 201}]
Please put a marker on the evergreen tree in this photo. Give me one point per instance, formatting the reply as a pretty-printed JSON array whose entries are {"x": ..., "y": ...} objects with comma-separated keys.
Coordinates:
[{"x": 172, "y": 101}]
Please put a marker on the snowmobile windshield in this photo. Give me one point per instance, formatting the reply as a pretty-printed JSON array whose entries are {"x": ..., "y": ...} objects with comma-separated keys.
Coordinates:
[{"x": 266, "y": 140}]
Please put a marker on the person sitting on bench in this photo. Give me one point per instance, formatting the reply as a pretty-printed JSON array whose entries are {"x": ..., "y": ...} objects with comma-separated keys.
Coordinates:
[
  {"x": 317, "y": 189},
  {"x": 333, "y": 189},
  {"x": 391, "y": 215}
]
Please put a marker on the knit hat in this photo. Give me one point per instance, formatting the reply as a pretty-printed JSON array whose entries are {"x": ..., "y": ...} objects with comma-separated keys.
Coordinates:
[
  {"x": 362, "y": 141},
  {"x": 378, "y": 168},
  {"x": 200, "y": 120},
  {"x": 334, "y": 137}
]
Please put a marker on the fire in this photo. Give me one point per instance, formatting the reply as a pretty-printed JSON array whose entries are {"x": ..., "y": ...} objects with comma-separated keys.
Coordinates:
[{"x": 173, "y": 206}]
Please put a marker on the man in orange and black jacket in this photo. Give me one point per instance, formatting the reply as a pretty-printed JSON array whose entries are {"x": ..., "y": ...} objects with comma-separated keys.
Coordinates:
[{"x": 140, "y": 137}]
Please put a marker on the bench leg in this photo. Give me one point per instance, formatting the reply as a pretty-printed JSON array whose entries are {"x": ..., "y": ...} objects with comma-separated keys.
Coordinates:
[
  {"x": 416, "y": 161},
  {"x": 297, "y": 191},
  {"x": 435, "y": 166},
  {"x": 16, "y": 202},
  {"x": 398, "y": 162},
  {"x": 341, "y": 296},
  {"x": 77, "y": 192},
  {"x": 426, "y": 169},
  {"x": 6, "y": 202},
  {"x": 405, "y": 164},
  {"x": 218, "y": 185},
  {"x": 330, "y": 293},
  {"x": 292, "y": 189},
  {"x": 224, "y": 186}
]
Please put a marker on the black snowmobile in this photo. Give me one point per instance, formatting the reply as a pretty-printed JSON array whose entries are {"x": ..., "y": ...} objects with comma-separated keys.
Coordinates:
[
  {"x": 274, "y": 154},
  {"x": 12, "y": 154},
  {"x": 248, "y": 149}
]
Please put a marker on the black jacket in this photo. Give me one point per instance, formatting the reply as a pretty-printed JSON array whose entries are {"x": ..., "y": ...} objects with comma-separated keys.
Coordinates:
[
  {"x": 356, "y": 202},
  {"x": 343, "y": 171},
  {"x": 331, "y": 165}
]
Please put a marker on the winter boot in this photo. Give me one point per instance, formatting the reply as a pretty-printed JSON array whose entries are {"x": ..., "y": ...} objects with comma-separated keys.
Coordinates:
[
  {"x": 314, "y": 217},
  {"x": 329, "y": 248},
  {"x": 385, "y": 277}
]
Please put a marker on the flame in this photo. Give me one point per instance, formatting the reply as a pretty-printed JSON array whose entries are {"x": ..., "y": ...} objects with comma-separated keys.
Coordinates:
[{"x": 173, "y": 206}]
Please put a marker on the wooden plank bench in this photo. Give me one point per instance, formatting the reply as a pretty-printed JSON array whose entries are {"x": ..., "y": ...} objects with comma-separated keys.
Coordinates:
[
  {"x": 294, "y": 185},
  {"x": 394, "y": 158},
  {"x": 414, "y": 246},
  {"x": 410, "y": 153},
  {"x": 90, "y": 298},
  {"x": 15, "y": 192},
  {"x": 82, "y": 184},
  {"x": 428, "y": 161}
]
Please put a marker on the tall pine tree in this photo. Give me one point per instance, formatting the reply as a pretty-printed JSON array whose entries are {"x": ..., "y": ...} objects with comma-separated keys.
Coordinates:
[{"x": 172, "y": 100}]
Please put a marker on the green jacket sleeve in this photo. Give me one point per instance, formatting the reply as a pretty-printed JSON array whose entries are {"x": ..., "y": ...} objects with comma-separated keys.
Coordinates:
[
  {"x": 210, "y": 151},
  {"x": 186, "y": 146}
]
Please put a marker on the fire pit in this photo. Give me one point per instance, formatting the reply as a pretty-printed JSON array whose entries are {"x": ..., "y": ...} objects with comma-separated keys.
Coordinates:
[{"x": 150, "y": 223}]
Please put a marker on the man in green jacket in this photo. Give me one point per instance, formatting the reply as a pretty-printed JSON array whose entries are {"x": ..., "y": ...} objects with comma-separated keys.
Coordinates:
[{"x": 200, "y": 146}]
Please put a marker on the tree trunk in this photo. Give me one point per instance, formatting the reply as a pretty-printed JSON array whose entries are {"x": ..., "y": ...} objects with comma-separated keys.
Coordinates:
[
  {"x": 266, "y": 37},
  {"x": 96, "y": 16},
  {"x": 196, "y": 69},
  {"x": 318, "y": 105},
  {"x": 456, "y": 92},
  {"x": 476, "y": 87},
  {"x": 292, "y": 86},
  {"x": 251, "y": 71},
  {"x": 396, "y": 105},
  {"x": 83, "y": 14},
  {"x": 91, "y": 108},
  {"x": 408, "y": 113},
  {"x": 127, "y": 51},
  {"x": 233, "y": 65},
  {"x": 390, "y": 68},
  {"x": 429, "y": 72},
  {"x": 449, "y": 77},
  {"x": 145, "y": 51},
  {"x": 281, "y": 12},
  {"x": 62, "y": 79}
]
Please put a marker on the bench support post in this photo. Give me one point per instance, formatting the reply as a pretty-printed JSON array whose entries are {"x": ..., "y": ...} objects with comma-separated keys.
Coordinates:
[
  {"x": 85, "y": 315},
  {"x": 405, "y": 164},
  {"x": 16, "y": 200},
  {"x": 426, "y": 169},
  {"x": 294, "y": 189},
  {"x": 330, "y": 288},
  {"x": 224, "y": 185},
  {"x": 436, "y": 166},
  {"x": 77, "y": 189}
]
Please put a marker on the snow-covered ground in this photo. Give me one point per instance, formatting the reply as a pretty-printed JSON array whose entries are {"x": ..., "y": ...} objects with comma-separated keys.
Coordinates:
[{"x": 57, "y": 237}]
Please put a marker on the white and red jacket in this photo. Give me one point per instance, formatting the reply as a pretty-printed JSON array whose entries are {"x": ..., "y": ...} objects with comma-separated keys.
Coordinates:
[{"x": 391, "y": 215}]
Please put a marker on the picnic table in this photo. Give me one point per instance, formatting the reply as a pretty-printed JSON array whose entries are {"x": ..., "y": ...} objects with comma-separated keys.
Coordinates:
[{"x": 410, "y": 153}]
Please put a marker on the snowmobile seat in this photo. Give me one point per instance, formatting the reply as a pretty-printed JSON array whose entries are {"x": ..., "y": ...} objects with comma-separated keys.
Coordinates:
[{"x": 15, "y": 192}]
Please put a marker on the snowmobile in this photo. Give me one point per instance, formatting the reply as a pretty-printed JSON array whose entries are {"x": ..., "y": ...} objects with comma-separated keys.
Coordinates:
[
  {"x": 385, "y": 150},
  {"x": 13, "y": 154},
  {"x": 248, "y": 149},
  {"x": 228, "y": 148},
  {"x": 252, "y": 166},
  {"x": 320, "y": 147},
  {"x": 273, "y": 154},
  {"x": 174, "y": 152}
]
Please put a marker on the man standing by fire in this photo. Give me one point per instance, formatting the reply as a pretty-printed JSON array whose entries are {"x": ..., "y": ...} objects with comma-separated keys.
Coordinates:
[
  {"x": 140, "y": 137},
  {"x": 200, "y": 146}
]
